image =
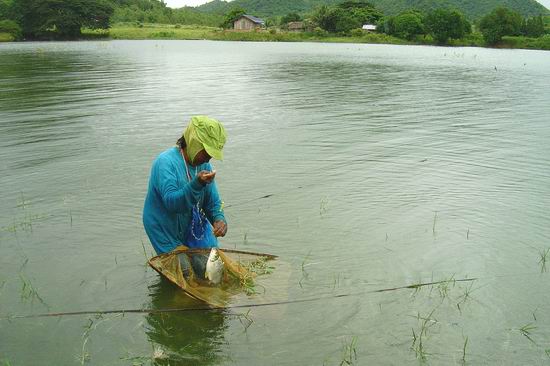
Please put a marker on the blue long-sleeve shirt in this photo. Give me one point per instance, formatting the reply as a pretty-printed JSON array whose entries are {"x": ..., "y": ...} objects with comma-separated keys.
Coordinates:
[{"x": 167, "y": 212}]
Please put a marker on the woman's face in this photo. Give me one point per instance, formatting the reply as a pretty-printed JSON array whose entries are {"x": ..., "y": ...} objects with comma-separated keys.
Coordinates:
[{"x": 201, "y": 158}]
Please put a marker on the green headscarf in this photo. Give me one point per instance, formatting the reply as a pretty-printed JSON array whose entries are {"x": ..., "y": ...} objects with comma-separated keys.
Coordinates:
[{"x": 205, "y": 133}]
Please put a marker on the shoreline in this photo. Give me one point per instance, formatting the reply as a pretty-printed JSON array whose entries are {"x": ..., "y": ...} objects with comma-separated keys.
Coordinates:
[{"x": 175, "y": 32}]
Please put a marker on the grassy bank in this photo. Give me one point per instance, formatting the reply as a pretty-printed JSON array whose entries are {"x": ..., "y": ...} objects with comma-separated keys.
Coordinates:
[
  {"x": 154, "y": 31},
  {"x": 177, "y": 32},
  {"x": 541, "y": 43}
]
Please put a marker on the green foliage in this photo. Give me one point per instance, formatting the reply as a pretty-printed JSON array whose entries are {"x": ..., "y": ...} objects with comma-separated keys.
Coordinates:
[
  {"x": 12, "y": 28},
  {"x": 159, "y": 13},
  {"x": 6, "y": 8},
  {"x": 231, "y": 16},
  {"x": 61, "y": 18},
  {"x": 346, "y": 16},
  {"x": 500, "y": 22},
  {"x": 291, "y": 17},
  {"x": 446, "y": 24},
  {"x": 533, "y": 27},
  {"x": 472, "y": 9},
  {"x": 408, "y": 25}
]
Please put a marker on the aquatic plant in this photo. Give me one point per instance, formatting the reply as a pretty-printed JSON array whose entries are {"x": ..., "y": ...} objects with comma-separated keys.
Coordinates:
[
  {"x": 435, "y": 220},
  {"x": 349, "y": 352},
  {"x": 305, "y": 275},
  {"x": 464, "y": 350},
  {"x": 467, "y": 295},
  {"x": 28, "y": 291},
  {"x": 418, "y": 340},
  {"x": 543, "y": 253},
  {"x": 259, "y": 266},
  {"x": 526, "y": 331}
]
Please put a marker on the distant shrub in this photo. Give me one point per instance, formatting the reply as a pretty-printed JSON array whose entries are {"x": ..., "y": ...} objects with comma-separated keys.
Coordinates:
[
  {"x": 273, "y": 31},
  {"x": 357, "y": 32},
  {"x": 178, "y": 26},
  {"x": 163, "y": 34},
  {"x": 320, "y": 32},
  {"x": 10, "y": 27}
]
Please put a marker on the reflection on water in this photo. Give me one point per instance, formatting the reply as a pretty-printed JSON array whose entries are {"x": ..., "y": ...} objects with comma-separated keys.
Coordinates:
[{"x": 187, "y": 338}]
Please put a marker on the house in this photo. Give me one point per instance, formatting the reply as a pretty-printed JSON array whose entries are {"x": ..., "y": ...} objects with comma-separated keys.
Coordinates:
[
  {"x": 296, "y": 26},
  {"x": 369, "y": 27},
  {"x": 248, "y": 22}
]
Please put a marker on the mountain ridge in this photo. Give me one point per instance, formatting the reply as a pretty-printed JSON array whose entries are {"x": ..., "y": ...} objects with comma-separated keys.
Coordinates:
[{"x": 473, "y": 9}]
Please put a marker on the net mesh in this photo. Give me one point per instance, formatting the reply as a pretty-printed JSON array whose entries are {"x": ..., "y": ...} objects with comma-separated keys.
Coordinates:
[{"x": 185, "y": 268}]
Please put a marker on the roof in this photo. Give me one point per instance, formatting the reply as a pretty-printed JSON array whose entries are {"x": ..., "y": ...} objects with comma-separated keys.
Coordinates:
[
  {"x": 369, "y": 27},
  {"x": 253, "y": 19},
  {"x": 296, "y": 25}
]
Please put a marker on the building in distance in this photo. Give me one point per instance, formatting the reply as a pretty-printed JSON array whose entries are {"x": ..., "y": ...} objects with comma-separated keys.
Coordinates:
[{"x": 248, "y": 23}]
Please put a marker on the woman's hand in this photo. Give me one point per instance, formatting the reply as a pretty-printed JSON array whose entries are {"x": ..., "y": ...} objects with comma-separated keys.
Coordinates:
[
  {"x": 220, "y": 228},
  {"x": 205, "y": 177}
]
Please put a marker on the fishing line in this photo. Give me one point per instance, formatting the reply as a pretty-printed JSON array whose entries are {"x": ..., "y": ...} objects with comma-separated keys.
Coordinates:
[{"x": 214, "y": 308}]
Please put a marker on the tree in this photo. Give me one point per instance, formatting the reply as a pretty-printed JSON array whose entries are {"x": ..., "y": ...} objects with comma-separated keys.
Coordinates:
[
  {"x": 62, "y": 18},
  {"x": 233, "y": 15},
  {"x": 346, "y": 16},
  {"x": 408, "y": 25},
  {"x": 6, "y": 9},
  {"x": 10, "y": 27},
  {"x": 291, "y": 17},
  {"x": 446, "y": 24},
  {"x": 500, "y": 22},
  {"x": 533, "y": 27}
]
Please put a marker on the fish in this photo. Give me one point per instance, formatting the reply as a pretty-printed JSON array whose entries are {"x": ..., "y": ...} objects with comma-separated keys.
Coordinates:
[{"x": 214, "y": 267}]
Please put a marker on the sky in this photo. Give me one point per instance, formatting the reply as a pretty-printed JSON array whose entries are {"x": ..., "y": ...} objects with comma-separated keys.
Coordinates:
[{"x": 180, "y": 3}]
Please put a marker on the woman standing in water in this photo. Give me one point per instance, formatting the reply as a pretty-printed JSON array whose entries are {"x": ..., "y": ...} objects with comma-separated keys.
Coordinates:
[{"x": 183, "y": 206}]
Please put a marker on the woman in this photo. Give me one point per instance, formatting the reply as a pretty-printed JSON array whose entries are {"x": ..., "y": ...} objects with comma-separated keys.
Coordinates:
[{"x": 182, "y": 204}]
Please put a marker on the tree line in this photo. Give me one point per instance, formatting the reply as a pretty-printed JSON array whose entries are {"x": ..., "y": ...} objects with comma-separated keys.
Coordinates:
[
  {"x": 39, "y": 19},
  {"x": 441, "y": 24},
  {"x": 64, "y": 19}
]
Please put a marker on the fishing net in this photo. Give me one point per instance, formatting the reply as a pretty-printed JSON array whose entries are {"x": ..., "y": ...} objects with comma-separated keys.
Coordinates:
[{"x": 185, "y": 267}]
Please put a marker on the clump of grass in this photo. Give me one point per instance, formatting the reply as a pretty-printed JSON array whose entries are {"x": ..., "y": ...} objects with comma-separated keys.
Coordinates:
[
  {"x": 418, "y": 339},
  {"x": 28, "y": 291},
  {"x": 543, "y": 259},
  {"x": 526, "y": 331},
  {"x": 305, "y": 274},
  {"x": 464, "y": 350},
  {"x": 259, "y": 266},
  {"x": 467, "y": 295},
  {"x": 349, "y": 352},
  {"x": 444, "y": 287}
]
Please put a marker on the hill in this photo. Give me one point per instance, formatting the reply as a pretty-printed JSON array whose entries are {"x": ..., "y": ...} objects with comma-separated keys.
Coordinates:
[{"x": 473, "y": 9}]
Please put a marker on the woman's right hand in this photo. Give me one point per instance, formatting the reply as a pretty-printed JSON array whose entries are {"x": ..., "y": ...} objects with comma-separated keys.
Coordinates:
[{"x": 205, "y": 177}]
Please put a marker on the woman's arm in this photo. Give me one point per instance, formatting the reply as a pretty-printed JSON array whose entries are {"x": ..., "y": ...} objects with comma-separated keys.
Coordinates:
[{"x": 176, "y": 199}]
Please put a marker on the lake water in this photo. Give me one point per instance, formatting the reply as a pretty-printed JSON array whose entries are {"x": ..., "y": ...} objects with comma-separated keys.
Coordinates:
[{"x": 387, "y": 166}]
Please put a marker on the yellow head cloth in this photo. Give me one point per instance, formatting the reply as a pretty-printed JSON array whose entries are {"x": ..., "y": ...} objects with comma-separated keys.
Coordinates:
[{"x": 205, "y": 133}]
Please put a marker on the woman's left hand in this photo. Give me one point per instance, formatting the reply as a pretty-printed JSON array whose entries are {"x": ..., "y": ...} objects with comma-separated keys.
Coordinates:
[{"x": 220, "y": 228}]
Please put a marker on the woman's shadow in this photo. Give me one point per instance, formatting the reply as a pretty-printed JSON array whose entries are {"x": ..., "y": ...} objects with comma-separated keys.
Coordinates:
[{"x": 187, "y": 337}]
